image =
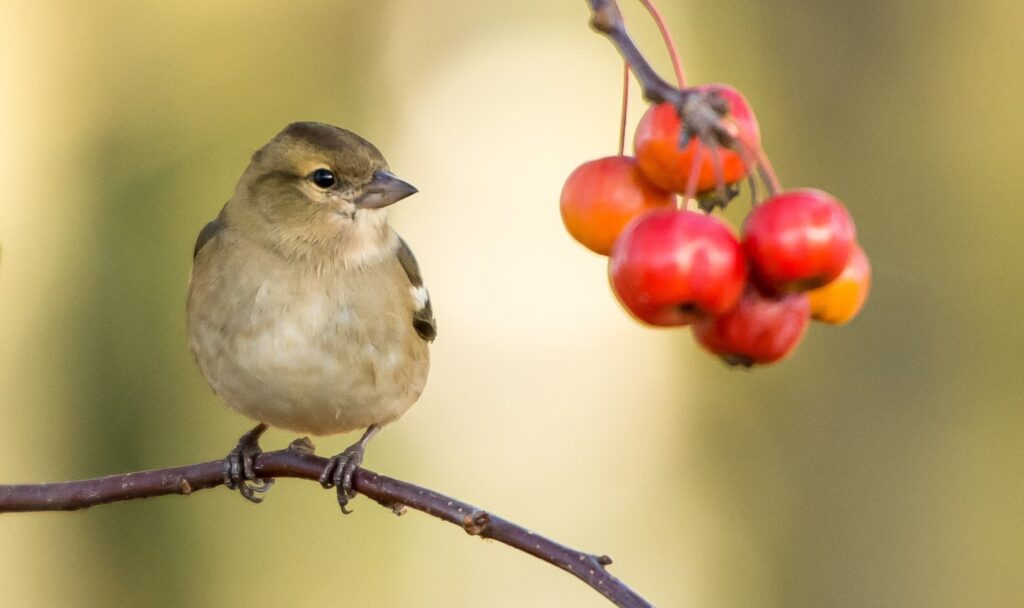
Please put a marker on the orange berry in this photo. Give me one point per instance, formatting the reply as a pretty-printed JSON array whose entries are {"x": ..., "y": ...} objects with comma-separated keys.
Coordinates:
[
  {"x": 602, "y": 196},
  {"x": 668, "y": 166},
  {"x": 839, "y": 301}
]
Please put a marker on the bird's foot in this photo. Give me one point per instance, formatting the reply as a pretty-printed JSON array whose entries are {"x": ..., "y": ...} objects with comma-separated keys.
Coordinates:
[
  {"x": 239, "y": 470},
  {"x": 341, "y": 468}
]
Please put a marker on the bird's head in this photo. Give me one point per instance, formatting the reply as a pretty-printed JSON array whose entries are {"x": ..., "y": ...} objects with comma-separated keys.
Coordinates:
[{"x": 316, "y": 186}]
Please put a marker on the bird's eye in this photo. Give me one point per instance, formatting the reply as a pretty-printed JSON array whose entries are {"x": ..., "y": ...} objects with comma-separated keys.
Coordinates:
[{"x": 323, "y": 178}]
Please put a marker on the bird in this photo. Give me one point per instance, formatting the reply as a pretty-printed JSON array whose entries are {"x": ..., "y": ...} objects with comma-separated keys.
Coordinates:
[{"x": 306, "y": 311}]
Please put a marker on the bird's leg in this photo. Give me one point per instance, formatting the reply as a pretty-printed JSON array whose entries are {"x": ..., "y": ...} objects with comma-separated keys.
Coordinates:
[
  {"x": 239, "y": 470},
  {"x": 340, "y": 469}
]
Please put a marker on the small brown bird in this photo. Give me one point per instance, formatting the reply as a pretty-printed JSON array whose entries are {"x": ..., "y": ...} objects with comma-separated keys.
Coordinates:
[{"x": 306, "y": 310}]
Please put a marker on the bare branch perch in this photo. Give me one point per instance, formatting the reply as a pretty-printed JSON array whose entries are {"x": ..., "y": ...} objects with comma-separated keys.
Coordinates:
[{"x": 392, "y": 493}]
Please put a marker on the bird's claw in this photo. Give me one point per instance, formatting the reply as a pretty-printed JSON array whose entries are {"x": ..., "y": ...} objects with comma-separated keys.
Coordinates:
[
  {"x": 341, "y": 469},
  {"x": 339, "y": 472},
  {"x": 239, "y": 468}
]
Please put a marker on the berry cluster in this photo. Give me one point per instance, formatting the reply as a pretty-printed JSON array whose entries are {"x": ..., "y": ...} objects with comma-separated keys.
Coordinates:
[{"x": 749, "y": 298}]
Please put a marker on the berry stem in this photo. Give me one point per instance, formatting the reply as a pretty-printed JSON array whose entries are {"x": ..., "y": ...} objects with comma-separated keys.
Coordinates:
[
  {"x": 767, "y": 173},
  {"x": 659, "y": 19},
  {"x": 753, "y": 189},
  {"x": 625, "y": 107},
  {"x": 691, "y": 182},
  {"x": 754, "y": 158}
]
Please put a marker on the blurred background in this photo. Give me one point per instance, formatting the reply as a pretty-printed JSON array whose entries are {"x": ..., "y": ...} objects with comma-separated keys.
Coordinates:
[{"x": 878, "y": 466}]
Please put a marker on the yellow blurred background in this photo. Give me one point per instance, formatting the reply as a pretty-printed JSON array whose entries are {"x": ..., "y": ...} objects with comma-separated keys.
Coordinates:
[{"x": 878, "y": 466}]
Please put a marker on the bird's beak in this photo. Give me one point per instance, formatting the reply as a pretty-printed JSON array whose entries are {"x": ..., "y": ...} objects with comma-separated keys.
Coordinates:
[{"x": 383, "y": 190}]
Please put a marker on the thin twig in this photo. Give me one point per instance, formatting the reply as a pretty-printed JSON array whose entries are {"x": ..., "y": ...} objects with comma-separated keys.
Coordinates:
[
  {"x": 392, "y": 493},
  {"x": 607, "y": 19},
  {"x": 701, "y": 111},
  {"x": 625, "y": 109}
]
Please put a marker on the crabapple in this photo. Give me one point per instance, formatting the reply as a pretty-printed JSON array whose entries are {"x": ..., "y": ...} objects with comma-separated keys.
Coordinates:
[
  {"x": 759, "y": 330},
  {"x": 841, "y": 300},
  {"x": 671, "y": 267},
  {"x": 601, "y": 196},
  {"x": 798, "y": 240},
  {"x": 669, "y": 166}
]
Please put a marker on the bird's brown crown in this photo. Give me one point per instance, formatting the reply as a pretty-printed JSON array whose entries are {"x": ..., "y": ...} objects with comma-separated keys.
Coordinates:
[
  {"x": 327, "y": 137},
  {"x": 302, "y": 145}
]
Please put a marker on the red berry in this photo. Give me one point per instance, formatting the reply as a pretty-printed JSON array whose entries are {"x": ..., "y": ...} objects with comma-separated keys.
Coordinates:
[
  {"x": 668, "y": 166},
  {"x": 602, "y": 196},
  {"x": 670, "y": 267},
  {"x": 760, "y": 330},
  {"x": 841, "y": 300},
  {"x": 798, "y": 240}
]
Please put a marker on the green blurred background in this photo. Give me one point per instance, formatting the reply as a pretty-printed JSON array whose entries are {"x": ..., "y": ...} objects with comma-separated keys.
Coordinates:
[{"x": 878, "y": 466}]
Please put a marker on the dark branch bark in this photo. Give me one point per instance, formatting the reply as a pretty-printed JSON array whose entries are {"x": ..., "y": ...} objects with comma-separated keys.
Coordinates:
[
  {"x": 700, "y": 111},
  {"x": 607, "y": 19},
  {"x": 392, "y": 493}
]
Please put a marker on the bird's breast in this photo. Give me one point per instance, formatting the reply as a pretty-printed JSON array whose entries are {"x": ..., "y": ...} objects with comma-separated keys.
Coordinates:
[{"x": 314, "y": 354}]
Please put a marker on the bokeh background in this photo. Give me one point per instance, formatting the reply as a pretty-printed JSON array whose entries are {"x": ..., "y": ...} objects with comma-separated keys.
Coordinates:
[{"x": 881, "y": 465}]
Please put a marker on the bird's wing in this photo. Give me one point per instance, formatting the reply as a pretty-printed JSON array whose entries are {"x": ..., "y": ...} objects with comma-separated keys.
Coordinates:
[
  {"x": 208, "y": 232},
  {"x": 422, "y": 318}
]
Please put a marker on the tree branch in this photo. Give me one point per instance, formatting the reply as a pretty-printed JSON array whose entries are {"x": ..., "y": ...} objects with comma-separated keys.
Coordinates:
[
  {"x": 700, "y": 111},
  {"x": 392, "y": 493},
  {"x": 606, "y": 18}
]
